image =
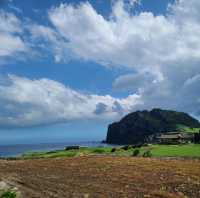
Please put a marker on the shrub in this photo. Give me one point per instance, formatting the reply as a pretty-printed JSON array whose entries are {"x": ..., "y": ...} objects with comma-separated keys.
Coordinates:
[
  {"x": 113, "y": 150},
  {"x": 72, "y": 148},
  {"x": 137, "y": 145},
  {"x": 8, "y": 194},
  {"x": 126, "y": 147},
  {"x": 136, "y": 152},
  {"x": 147, "y": 154}
]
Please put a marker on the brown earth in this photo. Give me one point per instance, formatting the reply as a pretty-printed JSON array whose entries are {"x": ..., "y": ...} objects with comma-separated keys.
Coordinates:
[{"x": 103, "y": 177}]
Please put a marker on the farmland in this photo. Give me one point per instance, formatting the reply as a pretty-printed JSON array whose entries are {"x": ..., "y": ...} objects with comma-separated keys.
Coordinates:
[{"x": 103, "y": 176}]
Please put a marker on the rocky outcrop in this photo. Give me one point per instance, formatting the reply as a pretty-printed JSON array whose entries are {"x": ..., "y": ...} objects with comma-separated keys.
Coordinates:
[{"x": 141, "y": 126}]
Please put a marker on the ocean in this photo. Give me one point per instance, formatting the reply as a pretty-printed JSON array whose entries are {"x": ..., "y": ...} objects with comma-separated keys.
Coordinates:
[{"x": 19, "y": 149}]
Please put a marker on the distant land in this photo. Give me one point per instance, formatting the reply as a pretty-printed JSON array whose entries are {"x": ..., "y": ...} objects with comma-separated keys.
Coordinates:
[{"x": 141, "y": 126}]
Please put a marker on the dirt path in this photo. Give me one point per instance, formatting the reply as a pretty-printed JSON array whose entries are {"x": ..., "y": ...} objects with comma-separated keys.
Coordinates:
[{"x": 99, "y": 177}]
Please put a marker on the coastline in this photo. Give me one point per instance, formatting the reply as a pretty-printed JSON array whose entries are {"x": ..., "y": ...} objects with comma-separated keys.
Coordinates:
[{"x": 14, "y": 150}]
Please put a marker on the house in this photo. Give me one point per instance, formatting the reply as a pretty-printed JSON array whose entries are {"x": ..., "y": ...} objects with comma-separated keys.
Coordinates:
[{"x": 175, "y": 138}]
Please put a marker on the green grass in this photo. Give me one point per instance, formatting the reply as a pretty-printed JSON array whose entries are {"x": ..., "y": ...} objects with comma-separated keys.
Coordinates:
[
  {"x": 69, "y": 153},
  {"x": 61, "y": 153},
  {"x": 187, "y": 129},
  {"x": 185, "y": 150},
  {"x": 9, "y": 194},
  {"x": 101, "y": 150}
]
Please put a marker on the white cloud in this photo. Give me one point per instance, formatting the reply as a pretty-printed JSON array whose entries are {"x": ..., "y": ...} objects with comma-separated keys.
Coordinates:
[
  {"x": 137, "y": 41},
  {"x": 43, "y": 35},
  {"x": 9, "y": 23},
  {"x": 124, "y": 39},
  {"x": 26, "y": 102},
  {"x": 186, "y": 11},
  {"x": 163, "y": 51},
  {"x": 132, "y": 82},
  {"x": 11, "y": 42},
  {"x": 10, "y": 45}
]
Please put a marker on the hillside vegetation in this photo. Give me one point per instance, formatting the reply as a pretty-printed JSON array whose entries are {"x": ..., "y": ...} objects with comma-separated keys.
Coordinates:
[{"x": 187, "y": 129}]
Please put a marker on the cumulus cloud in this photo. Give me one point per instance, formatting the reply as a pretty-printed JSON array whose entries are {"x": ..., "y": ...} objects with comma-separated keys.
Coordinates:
[
  {"x": 124, "y": 39},
  {"x": 163, "y": 51},
  {"x": 26, "y": 102},
  {"x": 136, "y": 41}
]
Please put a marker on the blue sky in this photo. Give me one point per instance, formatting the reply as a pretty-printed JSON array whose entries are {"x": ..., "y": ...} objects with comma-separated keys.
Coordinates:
[{"x": 69, "y": 68}]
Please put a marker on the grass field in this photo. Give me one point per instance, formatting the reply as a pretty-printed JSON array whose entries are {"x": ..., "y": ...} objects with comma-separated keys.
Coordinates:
[
  {"x": 185, "y": 150},
  {"x": 187, "y": 129}
]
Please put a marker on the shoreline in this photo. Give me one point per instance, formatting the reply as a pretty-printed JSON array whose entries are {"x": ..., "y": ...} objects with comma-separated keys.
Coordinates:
[{"x": 13, "y": 150}]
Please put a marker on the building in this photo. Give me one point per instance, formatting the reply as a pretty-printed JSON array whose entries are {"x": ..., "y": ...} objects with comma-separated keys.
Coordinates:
[{"x": 175, "y": 138}]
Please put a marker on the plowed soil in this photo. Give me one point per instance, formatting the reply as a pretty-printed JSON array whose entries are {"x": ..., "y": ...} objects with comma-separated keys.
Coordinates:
[{"x": 103, "y": 177}]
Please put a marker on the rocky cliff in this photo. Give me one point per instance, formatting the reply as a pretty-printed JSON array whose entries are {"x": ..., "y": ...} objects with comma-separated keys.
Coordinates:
[{"x": 139, "y": 126}]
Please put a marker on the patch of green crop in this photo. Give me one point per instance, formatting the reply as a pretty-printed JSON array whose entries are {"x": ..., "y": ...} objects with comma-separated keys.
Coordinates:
[
  {"x": 9, "y": 194},
  {"x": 61, "y": 153},
  {"x": 101, "y": 150},
  {"x": 98, "y": 150}
]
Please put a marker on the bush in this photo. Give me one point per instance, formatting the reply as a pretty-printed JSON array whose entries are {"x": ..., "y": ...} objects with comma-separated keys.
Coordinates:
[
  {"x": 8, "y": 194},
  {"x": 137, "y": 145},
  {"x": 127, "y": 147},
  {"x": 136, "y": 152},
  {"x": 147, "y": 154},
  {"x": 113, "y": 150}
]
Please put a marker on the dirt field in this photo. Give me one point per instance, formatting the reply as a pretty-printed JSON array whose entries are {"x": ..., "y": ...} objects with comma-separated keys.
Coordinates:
[{"x": 103, "y": 177}]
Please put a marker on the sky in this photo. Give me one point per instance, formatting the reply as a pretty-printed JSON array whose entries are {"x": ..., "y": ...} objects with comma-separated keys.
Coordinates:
[{"x": 69, "y": 68}]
